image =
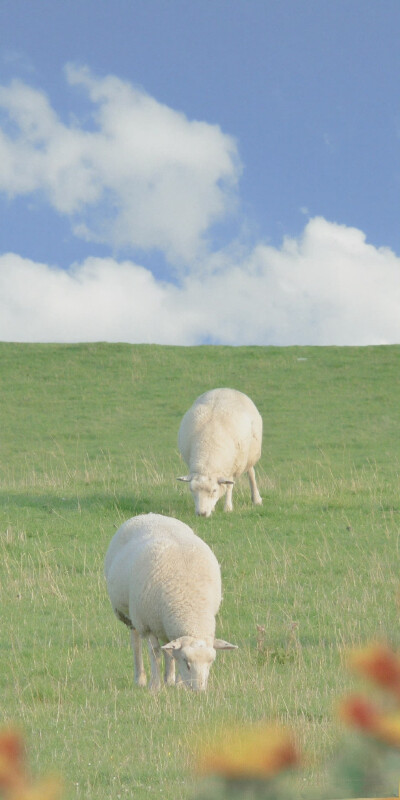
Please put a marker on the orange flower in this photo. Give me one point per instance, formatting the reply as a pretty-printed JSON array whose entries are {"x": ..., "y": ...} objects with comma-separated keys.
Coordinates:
[
  {"x": 12, "y": 760},
  {"x": 15, "y": 783},
  {"x": 379, "y": 663},
  {"x": 254, "y": 752},
  {"x": 359, "y": 713}
]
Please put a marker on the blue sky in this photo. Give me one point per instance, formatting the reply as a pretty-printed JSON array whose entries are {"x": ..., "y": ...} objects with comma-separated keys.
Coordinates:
[{"x": 179, "y": 171}]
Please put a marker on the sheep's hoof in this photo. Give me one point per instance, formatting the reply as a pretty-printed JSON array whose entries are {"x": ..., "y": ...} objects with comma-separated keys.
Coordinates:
[{"x": 141, "y": 680}]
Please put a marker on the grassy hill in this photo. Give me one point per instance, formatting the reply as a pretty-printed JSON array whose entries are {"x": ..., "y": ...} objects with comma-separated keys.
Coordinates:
[{"x": 89, "y": 438}]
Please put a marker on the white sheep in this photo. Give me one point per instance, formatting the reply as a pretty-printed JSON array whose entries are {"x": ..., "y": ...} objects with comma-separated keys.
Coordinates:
[
  {"x": 164, "y": 583},
  {"x": 220, "y": 438}
]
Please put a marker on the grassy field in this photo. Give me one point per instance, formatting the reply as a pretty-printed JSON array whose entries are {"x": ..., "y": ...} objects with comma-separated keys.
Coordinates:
[{"x": 89, "y": 438}]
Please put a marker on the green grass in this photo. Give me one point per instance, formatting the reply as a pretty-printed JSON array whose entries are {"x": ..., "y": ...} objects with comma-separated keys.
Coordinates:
[{"x": 89, "y": 438}]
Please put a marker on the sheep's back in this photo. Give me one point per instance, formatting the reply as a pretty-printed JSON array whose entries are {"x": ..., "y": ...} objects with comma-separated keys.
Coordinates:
[
  {"x": 221, "y": 433},
  {"x": 161, "y": 575}
]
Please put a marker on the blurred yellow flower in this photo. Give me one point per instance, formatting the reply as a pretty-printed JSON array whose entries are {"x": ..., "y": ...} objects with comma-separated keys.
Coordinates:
[
  {"x": 389, "y": 729},
  {"x": 47, "y": 789},
  {"x": 257, "y": 751}
]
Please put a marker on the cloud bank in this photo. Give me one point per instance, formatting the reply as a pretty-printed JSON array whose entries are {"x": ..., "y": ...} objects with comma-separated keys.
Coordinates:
[
  {"x": 327, "y": 287},
  {"x": 134, "y": 173}
]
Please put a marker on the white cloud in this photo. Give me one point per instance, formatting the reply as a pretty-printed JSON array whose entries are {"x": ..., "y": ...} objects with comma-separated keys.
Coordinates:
[
  {"x": 140, "y": 175},
  {"x": 327, "y": 287}
]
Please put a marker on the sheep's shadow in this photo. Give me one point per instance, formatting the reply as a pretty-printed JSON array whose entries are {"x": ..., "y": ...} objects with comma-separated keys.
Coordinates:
[{"x": 58, "y": 503}]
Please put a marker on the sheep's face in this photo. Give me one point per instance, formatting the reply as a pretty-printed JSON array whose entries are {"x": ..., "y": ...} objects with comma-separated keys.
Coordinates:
[
  {"x": 206, "y": 491},
  {"x": 194, "y": 658}
]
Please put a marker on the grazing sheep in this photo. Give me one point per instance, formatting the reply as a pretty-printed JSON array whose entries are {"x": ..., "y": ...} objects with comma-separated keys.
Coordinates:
[
  {"x": 220, "y": 438},
  {"x": 164, "y": 583}
]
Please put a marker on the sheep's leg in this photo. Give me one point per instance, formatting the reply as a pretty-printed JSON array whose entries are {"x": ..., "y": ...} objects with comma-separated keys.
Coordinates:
[
  {"x": 136, "y": 642},
  {"x": 155, "y": 661},
  {"x": 169, "y": 672},
  {"x": 228, "y": 497},
  {"x": 255, "y": 494},
  {"x": 178, "y": 678}
]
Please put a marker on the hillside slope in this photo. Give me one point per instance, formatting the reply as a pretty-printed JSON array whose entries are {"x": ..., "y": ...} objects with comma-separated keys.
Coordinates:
[{"x": 88, "y": 439}]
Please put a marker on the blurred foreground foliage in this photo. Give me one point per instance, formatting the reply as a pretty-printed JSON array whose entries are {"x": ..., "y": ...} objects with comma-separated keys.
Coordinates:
[{"x": 258, "y": 762}]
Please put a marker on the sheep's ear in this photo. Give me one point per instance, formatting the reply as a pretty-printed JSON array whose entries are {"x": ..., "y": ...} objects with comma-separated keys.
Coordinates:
[
  {"x": 185, "y": 478},
  {"x": 175, "y": 645},
  {"x": 224, "y": 480},
  {"x": 219, "y": 644}
]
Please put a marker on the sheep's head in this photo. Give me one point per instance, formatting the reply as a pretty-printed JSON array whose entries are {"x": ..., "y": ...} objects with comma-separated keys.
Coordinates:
[
  {"x": 206, "y": 491},
  {"x": 194, "y": 658}
]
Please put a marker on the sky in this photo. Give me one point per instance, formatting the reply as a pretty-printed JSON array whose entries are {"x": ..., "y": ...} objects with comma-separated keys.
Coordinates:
[{"x": 200, "y": 171}]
